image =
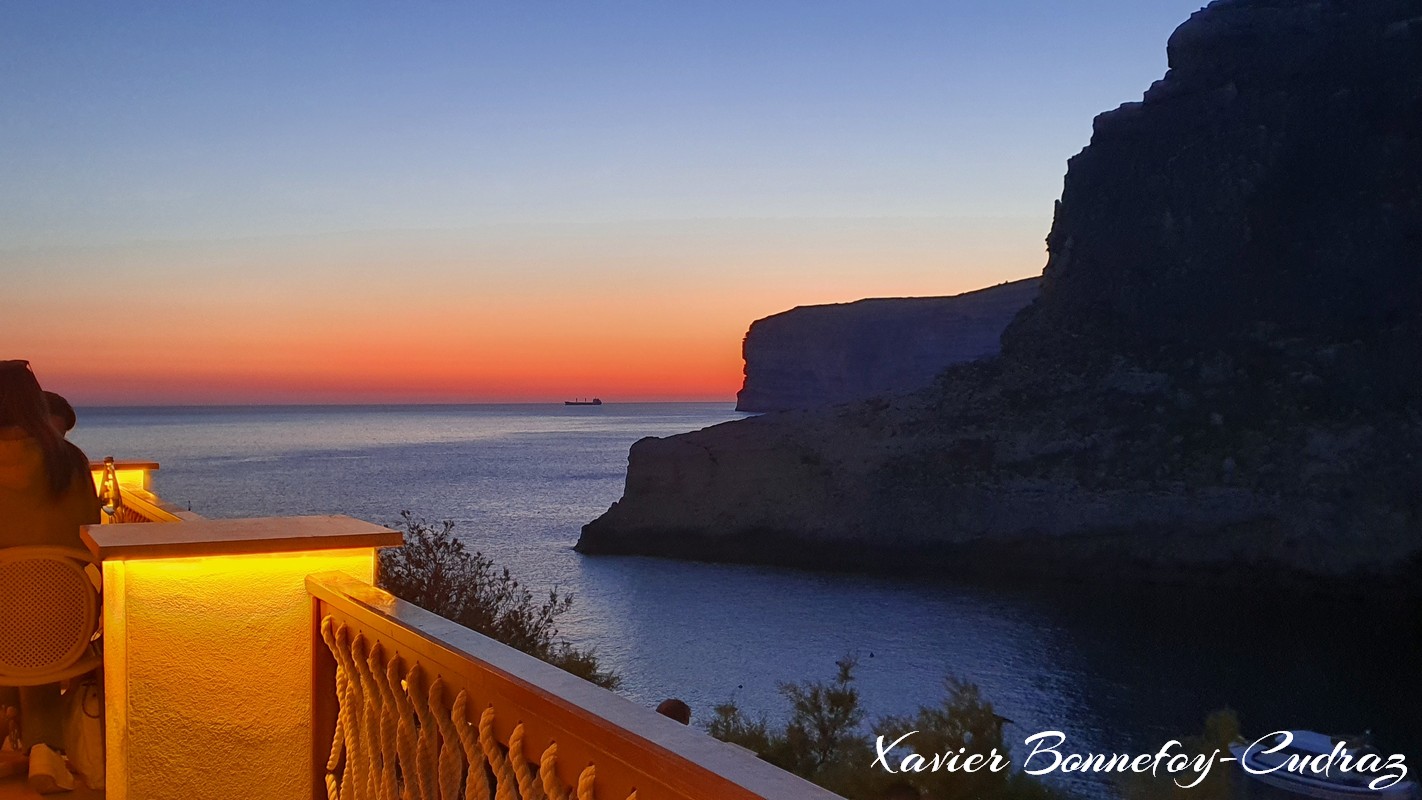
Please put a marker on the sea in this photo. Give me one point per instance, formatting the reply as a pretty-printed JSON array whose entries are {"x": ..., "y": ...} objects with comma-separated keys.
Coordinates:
[{"x": 1117, "y": 669}]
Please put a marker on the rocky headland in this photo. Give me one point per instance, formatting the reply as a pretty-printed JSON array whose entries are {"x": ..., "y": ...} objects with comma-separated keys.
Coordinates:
[
  {"x": 815, "y": 356},
  {"x": 1220, "y": 381}
]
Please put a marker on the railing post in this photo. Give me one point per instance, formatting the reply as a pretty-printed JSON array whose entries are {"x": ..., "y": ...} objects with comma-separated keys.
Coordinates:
[
  {"x": 208, "y": 667},
  {"x": 325, "y": 706}
]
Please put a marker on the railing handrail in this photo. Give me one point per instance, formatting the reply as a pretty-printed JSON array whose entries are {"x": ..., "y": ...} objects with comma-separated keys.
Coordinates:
[
  {"x": 139, "y": 502},
  {"x": 95, "y": 466},
  {"x": 631, "y": 746},
  {"x": 148, "y": 506}
]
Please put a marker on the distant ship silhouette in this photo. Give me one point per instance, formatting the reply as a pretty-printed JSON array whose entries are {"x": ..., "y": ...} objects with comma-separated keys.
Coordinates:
[{"x": 596, "y": 401}]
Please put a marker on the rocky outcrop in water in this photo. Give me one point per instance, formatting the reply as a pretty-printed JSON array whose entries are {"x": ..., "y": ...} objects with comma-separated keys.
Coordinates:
[
  {"x": 1219, "y": 381},
  {"x": 815, "y": 356}
]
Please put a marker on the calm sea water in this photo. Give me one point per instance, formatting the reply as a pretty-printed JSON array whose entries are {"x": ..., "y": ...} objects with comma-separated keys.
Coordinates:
[{"x": 1116, "y": 671}]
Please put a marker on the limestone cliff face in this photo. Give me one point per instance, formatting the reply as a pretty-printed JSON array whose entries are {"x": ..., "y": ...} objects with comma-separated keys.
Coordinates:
[
  {"x": 1265, "y": 188},
  {"x": 815, "y": 356},
  {"x": 1219, "y": 378}
]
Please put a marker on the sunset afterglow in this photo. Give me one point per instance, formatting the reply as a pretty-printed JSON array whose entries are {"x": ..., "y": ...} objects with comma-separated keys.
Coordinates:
[{"x": 267, "y": 204}]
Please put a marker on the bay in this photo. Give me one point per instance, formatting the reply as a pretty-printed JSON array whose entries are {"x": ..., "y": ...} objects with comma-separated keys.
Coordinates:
[{"x": 1117, "y": 670}]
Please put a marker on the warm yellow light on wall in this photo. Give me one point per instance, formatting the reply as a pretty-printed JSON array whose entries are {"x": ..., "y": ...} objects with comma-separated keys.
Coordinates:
[
  {"x": 208, "y": 657},
  {"x": 131, "y": 474}
]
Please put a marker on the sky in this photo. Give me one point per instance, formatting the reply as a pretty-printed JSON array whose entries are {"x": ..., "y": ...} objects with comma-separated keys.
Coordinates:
[{"x": 321, "y": 202}]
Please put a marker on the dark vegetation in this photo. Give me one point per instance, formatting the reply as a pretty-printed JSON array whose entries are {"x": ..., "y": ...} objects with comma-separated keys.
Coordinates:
[
  {"x": 435, "y": 571},
  {"x": 825, "y": 742}
]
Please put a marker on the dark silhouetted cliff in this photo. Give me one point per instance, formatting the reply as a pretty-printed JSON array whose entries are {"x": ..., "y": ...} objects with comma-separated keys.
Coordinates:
[
  {"x": 1220, "y": 379},
  {"x": 816, "y": 356}
]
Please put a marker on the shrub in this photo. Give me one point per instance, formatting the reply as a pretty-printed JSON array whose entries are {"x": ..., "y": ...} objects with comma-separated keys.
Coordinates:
[
  {"x": 967, "y": 722},
  {"x": 435, "y": 571},
  {"x": 823, "y": 742},
  {"x": 824, "y": 721},
  {"x": 730, "y": 724},
  {"x": 820, "y": 743}
]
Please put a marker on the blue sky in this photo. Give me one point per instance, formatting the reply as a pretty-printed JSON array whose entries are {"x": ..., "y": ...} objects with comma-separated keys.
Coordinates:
[
  {"x": 276, "y": 126},
  {"x": 140, "y": 120}
]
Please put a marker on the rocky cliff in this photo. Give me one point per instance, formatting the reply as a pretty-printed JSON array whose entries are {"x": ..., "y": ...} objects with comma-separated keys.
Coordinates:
[
  {"x": 1220, "y": 379},
  {"x": 815, "y": 356}
]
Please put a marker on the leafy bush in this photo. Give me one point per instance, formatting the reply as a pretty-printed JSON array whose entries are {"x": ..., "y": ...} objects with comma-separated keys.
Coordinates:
[
  {"x": 823, "y": 742},
  {"x": 824, "y": 718},
  {"x": 821, "y": 734},
  {"x": 730, "y": 724},
  {"x": 435, "y": 571},
  {"x": 965, "y": 722}
]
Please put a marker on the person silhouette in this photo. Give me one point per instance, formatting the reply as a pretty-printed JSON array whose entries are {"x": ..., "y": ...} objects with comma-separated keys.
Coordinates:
[{"x": 46, "y": 493}]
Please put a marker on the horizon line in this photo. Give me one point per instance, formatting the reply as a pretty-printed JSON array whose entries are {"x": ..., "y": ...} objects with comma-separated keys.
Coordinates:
[{"x": 368, "y": 404}]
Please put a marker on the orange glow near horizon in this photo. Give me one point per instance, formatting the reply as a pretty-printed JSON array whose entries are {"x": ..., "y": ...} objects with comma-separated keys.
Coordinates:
[{"x": 623, "y": 315}]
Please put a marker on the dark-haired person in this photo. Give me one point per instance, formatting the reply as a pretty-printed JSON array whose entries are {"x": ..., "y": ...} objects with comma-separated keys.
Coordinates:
[
  {"x": 61, "y": 413},
  {"x": 46, "y": 493}
]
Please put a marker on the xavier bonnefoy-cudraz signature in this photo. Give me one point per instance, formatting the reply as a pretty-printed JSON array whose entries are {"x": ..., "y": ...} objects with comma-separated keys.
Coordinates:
[{"x": 1048, "y": 753}]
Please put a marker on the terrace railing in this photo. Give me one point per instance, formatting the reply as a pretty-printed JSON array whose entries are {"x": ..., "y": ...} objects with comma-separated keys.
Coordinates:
[
  {"x": 126, "y": 490},
  {"x": 408, "y": 704},
  {"x": 255, "y": 658}
]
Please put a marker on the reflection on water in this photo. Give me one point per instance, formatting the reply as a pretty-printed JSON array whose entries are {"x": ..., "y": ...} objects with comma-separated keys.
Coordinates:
[{"x": 1115, "y": 670}]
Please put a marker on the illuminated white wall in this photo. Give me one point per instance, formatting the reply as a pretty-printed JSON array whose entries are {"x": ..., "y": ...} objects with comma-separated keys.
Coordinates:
[{"x": 208, "y": 674}]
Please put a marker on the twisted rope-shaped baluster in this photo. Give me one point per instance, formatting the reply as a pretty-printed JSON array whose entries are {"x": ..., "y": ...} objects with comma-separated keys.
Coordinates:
[
  {"x": 451, "y": 758},
  {"x": 353, "y": 710},
  {"x": 333, "y": 763},
  {"x": 585, "y": 783},
  {"x": 385, "y": 776},
  {"x": 404, "y": 730},
  {"x": 370, "y": 720},
  {"x": 528, "y": 786},
  {"x": 427, "y": 747},
  {"x": 476, "y": 783},
  {"x": 505, "y": 783},
  {"x": 338, "y": 739},
  {"x": 548, "y": 771}
]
